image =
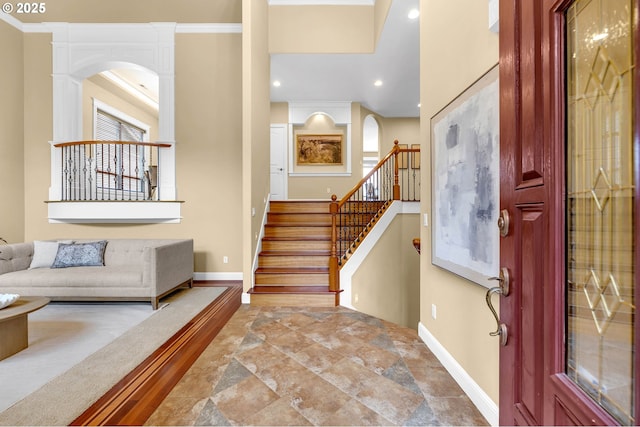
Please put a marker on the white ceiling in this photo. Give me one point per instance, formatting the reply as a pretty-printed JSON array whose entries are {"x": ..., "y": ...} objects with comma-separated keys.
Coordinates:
[{"x": 350, "y": 77}]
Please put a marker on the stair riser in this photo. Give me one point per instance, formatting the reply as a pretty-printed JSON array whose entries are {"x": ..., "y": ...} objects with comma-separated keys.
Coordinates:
[
  {"x": 303, "y": 218},
  {"x": 296, "y": 245},
  {"x": 297, "y": 232},
  {"x": 294, "y": 261},
  {"x": 284, "y": 279},
  {"x": 299, "y": 207},
  {"x": 294, "y": 300}
]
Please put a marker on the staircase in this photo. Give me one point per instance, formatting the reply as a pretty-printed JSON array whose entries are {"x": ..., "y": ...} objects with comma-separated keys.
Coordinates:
[
  {"x": 293, "y": 266},
  {"x": 307, "y": 242}
]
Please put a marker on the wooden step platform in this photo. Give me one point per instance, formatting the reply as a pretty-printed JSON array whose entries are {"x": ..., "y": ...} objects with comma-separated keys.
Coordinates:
[
  {"x": 293, "y": 267},
  {"x": 294, "y": 296}
]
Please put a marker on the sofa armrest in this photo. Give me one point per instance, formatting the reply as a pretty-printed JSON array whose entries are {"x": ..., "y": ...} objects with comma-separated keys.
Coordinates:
[{"x": 168, "y": 265}]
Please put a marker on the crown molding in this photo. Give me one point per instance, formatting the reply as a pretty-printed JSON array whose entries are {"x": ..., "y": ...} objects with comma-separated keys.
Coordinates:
[
  {"x": 205, "y": 28},
  {"x": 9, "y": 19}
]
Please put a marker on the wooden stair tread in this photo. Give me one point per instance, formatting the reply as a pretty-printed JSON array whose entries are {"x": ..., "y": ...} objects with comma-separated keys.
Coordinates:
[
  {"x": 296, "y": 239},
  {"x": 293, "y": 265},
  {"x": 290, "y": 290},
  {"x": 296, "y": 253},
  {"x": 297, "y": 270},
  {"x": 298, "y": 224}
]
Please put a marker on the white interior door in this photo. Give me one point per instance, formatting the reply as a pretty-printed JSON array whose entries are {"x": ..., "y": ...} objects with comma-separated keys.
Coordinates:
[{"x": 278, "y": 162}]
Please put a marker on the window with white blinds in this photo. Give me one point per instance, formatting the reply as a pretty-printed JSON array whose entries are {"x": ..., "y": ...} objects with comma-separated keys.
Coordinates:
[
  {"x": 111, "y": 128},
  {"x": 118, "y": 166}
]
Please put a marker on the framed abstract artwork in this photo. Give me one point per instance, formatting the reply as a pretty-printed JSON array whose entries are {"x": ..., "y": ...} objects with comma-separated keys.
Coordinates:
[{"x": 465, "y": 199}]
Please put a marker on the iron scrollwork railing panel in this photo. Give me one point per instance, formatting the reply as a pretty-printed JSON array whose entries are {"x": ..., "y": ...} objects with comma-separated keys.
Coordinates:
[
  {"x": 396, "y": 177},
  {"x": 109, "y": 170}
]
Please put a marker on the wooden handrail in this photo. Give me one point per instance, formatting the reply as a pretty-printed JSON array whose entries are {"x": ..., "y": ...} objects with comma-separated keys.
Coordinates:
[
  {"x": 336, "y": 207},
  {"x": 363, "y": 181},
  {"x": 95, "y": 142},
  {"x": 394, "y": 152}
]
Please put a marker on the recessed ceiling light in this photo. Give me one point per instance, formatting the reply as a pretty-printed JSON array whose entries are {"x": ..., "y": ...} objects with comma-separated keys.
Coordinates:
[
  {"x": 414, "y": 13},
  {"x": 419, "y": 105},
  {"x": 377, "y": 83},
  {"x": 276, "y": 83}
]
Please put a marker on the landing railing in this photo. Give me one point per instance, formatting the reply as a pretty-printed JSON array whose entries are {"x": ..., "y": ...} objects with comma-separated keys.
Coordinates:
[
  {"x": 395, "y": 177},
  {"x": 109, "y": 170}
]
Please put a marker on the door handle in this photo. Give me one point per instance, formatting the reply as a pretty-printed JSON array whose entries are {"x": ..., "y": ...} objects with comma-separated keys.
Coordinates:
[
  {"x": 503, "y": 289},
  {"x": 505, "y": 281}
]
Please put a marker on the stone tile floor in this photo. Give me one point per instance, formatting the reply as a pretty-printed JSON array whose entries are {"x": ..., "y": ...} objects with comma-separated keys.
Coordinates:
[{"x": 315, "y": 366}]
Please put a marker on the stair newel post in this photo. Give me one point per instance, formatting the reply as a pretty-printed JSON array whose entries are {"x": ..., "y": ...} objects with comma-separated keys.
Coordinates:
[
  {"x": 396, "y": 182},
  {"x": 334, "y": 270}
]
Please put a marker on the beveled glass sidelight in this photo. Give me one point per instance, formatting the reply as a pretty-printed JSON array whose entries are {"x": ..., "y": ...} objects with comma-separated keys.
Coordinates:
[{"x": 599, "y": 205}]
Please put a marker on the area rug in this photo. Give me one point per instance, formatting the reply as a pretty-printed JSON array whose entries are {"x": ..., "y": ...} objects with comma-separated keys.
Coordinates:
[
  {"x": 60, "y": 336},
  {"x": 63, "y": 398}
]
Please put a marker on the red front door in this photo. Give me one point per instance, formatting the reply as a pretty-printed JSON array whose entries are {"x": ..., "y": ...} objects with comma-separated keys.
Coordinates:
[{"x": 569, "y": 184}]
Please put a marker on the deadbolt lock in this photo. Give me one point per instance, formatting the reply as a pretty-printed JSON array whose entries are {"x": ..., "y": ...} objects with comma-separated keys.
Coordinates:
[{"x": 503, "y": 222}]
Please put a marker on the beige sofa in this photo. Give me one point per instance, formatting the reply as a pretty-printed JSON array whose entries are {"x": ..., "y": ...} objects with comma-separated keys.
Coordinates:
[{"x": 134, "y": 270}]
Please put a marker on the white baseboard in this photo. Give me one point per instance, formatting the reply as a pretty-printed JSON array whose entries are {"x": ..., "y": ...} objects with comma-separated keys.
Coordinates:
[
  {"x": 218, "y": 276},
  {"x": 246, "y": 298},
  {"x": 487, "y": 407}
]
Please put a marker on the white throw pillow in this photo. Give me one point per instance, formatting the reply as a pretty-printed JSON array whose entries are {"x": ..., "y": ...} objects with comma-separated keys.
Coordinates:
[{"x": 44, "y": 253}]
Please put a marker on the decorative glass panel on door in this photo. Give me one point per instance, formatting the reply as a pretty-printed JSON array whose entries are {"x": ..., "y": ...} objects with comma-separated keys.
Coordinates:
[{"x": 600, "y": 200}]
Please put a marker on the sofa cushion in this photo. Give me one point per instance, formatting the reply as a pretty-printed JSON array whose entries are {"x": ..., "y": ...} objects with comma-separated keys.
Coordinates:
[
  {"x": 72, "y": 277},
  {"x": 16, "y": 256},
  {"x": 80, "y": 255},
  {"x": 44, "y": 253}
]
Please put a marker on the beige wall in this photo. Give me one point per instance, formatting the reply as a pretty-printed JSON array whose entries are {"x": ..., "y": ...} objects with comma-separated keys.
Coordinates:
[
  {"x": 405, "y": 130},
  {"x": 209, "y": 147},
  {"x": 381, "y": 9},
  {"x": 387, "y": 283},
  {"x": 12, "y": 125},
  {"x": 38, "y": 131},
  {"x": 463, "y": 320},
  {"x": 321, "y": 29},
  {"x": 255, "y": 128},
  {"x": 106, "y": 92},
  {"x": 279, "y": 112},
  {"x": 208, "y": 150}
]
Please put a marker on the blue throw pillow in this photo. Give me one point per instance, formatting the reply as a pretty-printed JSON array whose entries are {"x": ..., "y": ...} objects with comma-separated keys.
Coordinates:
[{"x": 80, "y": 254}]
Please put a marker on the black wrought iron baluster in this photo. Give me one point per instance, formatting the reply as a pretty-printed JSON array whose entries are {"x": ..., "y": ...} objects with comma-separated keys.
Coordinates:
[
  {"x": 90, "y": 183},
  {"x": 126, "y": 171},
  {"x": 157, "y": 151},
  {"x": 65, "y": 173},
  {"x": 361, "y": 203}
]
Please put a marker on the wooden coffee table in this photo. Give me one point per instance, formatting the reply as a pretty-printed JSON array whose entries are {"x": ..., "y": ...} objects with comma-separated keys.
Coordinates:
[{"x": 14, "y": 331}]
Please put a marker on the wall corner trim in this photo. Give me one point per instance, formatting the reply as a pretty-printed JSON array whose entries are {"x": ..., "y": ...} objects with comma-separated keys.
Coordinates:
[
  {"x": 11, "y": 20},
  {"x": 487, "y": 407}
]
